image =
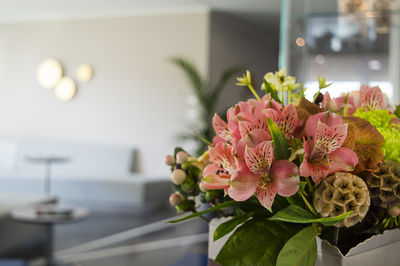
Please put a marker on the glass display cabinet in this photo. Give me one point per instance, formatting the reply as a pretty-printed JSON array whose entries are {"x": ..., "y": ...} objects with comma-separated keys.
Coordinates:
[{"x": 351, "y": 42}]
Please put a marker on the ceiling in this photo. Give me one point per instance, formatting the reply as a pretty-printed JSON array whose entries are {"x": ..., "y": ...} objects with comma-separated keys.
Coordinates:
[{"x": 262, "y": 14}]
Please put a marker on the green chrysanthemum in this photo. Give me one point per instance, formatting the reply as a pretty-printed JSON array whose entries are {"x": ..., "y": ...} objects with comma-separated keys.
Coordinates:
[{"x": 382, "y": 120}]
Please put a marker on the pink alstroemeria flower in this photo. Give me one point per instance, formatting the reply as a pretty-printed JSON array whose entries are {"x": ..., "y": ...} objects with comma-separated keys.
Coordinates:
[
  {"x": 324, "y": 155},
  {"x": 371, "y": 98},
  {"x": 245, "y": 117},
  {"x": 343, "y": 103},
  {"x": 228, "y": 173},
  {"x": 273, "y": 176}
]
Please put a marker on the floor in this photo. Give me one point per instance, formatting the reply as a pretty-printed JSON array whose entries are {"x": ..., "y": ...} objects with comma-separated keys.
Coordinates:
[{"x": 102, "y": 224}]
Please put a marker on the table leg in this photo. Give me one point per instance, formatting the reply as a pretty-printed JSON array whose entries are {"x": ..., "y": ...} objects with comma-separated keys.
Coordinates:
[
  {"x": 47, "y": 178},
  {"x": 50, "y": 260}
]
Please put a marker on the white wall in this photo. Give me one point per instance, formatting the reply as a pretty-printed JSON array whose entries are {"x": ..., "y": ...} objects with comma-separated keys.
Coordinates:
[{"x": 136, "y": 98}]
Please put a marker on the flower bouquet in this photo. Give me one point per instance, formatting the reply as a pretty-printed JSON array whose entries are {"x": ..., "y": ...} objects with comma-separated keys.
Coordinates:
[{"x": 287, "y": 175}]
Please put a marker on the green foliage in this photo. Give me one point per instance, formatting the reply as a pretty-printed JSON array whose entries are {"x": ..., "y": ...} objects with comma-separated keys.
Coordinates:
[
  {"x": 322, "y": 83},
  {"x": 207, "y": 96},
  {"x": 228, "y": 226},
  {"x": 271, "y": 91},
  {"x": 300, "y": 250},
  {"x": 256, "y": 242},
  {"x": 281, "y": 145},
  {"x": 397, "y": 111},
  {"x": 226, "y": 204},
  {"x": 296, "y": 214}
]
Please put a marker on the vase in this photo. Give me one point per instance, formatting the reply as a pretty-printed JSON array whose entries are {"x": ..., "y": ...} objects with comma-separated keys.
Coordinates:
[{"x": 383, "y": 249}]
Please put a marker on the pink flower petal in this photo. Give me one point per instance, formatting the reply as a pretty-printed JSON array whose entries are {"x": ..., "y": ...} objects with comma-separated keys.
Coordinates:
[
  {"x": 316, "y": 171},
  {"x": 271, "y": 113},
  {"x": 217, "y": 139},
  {"x": 288, "y": 120},
  {"x": 266, "y": 195},
  {"x": 259, "y": 121},
  {"x": 221, "y": 127},
  {"x": 343, "y": 159},
  {"x": 328, "y": 118},
  {"x": 371, "y": 98},
  {"x": 213, "y": 181},
  {"x": 327, "y": 140},
  {"x": 286, "y": 176},
  {"x": 222, "y": 155},
  {"x": 259, "y": 159},
  {"x": 251, "y": 140},
  {"x": 326, "y": 101},
  {"x": 242, "y": 186}
]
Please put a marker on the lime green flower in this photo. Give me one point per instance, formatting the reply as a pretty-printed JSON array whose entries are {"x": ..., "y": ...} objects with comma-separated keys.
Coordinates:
[
  {"x": 280, "y": 82},
  {"x": 245, "y": 80}
]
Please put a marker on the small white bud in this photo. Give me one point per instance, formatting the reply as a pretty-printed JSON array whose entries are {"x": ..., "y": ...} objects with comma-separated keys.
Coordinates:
[
  {"x": 175, "y": 199},
  {"x": 181, "y": 157},
  {"x": 169, "y": 159},
  {"x": 178, "y": 176},
  {"x": 202, "y": 187},
  {"x": 394, "y": 210}
]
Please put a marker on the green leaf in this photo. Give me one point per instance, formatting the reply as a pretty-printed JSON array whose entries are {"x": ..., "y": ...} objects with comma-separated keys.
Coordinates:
[
  {"x": 300, "y": 250},
  {"x": 296, "y": 214},
  {"x": 271, "y": 91},
  {"x": 196, "y": 80},
  {"x": 256, "y": 242},
  {"x": 281, "y": 145},
  {"x": 397, "y": 111},
  {"x": 215, "y": 208},
  {"x": 228, "y": 226}
]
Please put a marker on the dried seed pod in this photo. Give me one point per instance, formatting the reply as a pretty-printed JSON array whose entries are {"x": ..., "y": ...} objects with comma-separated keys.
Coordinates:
[
  {"x": 385, "y": 185},
  {"x": 341, "y": 193}
]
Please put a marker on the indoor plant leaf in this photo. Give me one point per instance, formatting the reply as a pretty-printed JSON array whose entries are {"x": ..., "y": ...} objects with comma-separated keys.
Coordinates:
[
  {"x": 256, "y": 242},
  {"x": 215, "y": 208},
  {"x": 300, "y": 250},
  {"x": 281, "y": 145},
  {"x": 228, "y": 226},
  {"x": 296, "y": 214}
]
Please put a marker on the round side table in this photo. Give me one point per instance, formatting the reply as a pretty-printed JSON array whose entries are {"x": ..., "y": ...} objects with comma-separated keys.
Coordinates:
[{"x": 30, "y": 215}]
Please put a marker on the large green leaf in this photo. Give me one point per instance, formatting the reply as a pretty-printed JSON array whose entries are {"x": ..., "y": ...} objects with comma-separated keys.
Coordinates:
[
  {"x": 300, "y": 250},
  {"x": 228, "y": 226},
  {"x": 281, "y": 145},
  {"x": 215, "y": 208},
  {"x": 256, "y": 242},
  {"x": 296, "y": 214}
]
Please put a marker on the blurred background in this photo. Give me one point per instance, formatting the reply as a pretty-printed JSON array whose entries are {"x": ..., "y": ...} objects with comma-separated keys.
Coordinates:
[{"x": 94, "y": 93}]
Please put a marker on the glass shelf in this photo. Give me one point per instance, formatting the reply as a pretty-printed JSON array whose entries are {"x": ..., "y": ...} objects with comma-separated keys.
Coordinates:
[{"x": 318, "y": 39}]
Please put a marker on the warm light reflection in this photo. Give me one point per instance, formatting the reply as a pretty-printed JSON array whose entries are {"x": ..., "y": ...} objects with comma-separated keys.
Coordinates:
[{"x": 300, "y": 42}]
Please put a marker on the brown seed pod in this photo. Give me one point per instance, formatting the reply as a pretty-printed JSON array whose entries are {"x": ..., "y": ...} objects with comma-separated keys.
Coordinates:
[
  {"x": 341, "y": 193},
  {"x": 384, "y": 185}
]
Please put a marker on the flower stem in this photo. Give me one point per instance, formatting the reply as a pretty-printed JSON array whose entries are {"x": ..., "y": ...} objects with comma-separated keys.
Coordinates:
[
  {"x": 310, "y": 185},
  {"x": 202, "y": 217},
  {"x": 289, "y": 96},
  {"x": 254, "y": 92},
  {"x": 336, "y": 236},
  {"x": 283, "y": 97},
  {"x": 309, "y": 206}
]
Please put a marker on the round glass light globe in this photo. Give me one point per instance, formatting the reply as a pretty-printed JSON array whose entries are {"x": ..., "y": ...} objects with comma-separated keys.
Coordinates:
[
  {"x": 66, "y": 89},
  {"x": 49, "y": 73},
  {"x": 84, "y": 73}
]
